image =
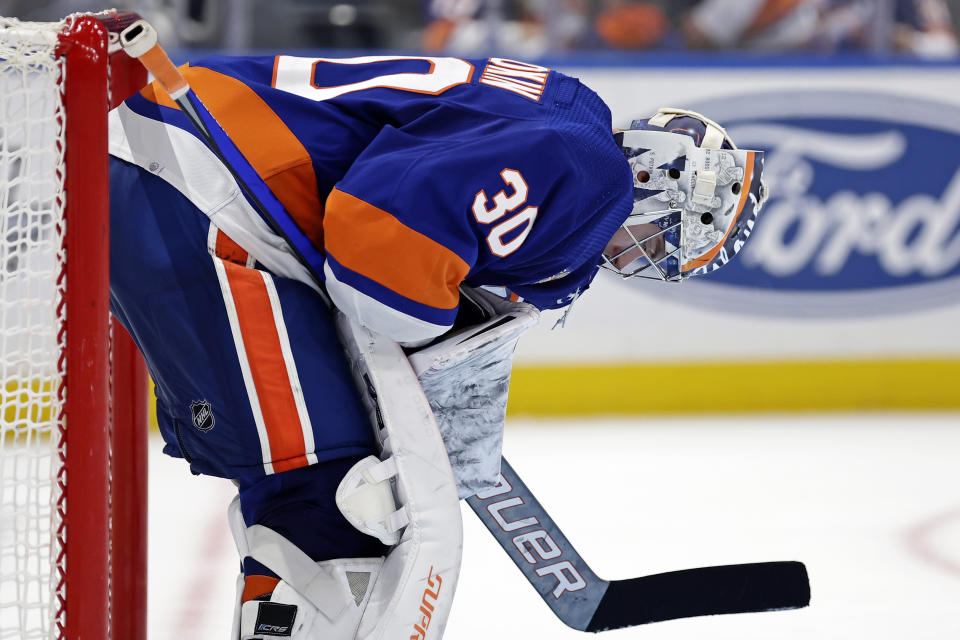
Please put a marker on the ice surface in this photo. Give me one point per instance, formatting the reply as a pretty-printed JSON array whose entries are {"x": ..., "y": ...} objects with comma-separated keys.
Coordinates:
[{"x": 871, "y": 503}]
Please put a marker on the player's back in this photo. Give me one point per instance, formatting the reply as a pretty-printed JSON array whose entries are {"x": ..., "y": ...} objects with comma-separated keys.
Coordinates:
[{"x": 276, "y": 108}]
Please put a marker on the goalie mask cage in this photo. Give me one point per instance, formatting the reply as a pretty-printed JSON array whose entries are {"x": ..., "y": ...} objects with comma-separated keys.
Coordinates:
[{"x": 72, "y": 390}]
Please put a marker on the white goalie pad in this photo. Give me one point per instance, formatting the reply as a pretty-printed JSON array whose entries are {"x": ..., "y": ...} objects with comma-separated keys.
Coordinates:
[
  {"x": 312, "y": 601},
  {"x": 466, "y": 378},
  {"x": 414, "y": 591}
]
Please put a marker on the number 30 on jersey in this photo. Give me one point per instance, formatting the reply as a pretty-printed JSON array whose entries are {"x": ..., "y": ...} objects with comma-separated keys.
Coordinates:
[
  {"x": 487, "y": 212},
  {"x": 296, "y": 75}
]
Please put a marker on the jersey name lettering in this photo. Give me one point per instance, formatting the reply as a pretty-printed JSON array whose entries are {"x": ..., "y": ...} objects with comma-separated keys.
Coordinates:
[{"x": 522, "y": 78}]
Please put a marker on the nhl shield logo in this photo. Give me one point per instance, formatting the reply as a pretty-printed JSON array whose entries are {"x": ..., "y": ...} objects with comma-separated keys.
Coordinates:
[{"x": 202, "y": 415}]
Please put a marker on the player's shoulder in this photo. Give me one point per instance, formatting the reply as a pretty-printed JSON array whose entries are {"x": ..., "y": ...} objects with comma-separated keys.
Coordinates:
[
  {"x": 567, "y": 167},
  {"x": 247, "y": 69},
  {"x": 531, "y": 158}
]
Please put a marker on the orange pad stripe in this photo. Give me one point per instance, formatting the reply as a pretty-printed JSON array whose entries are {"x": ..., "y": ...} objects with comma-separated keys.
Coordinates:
[
  {"x": 264, "y": 140},
  {"x": 227, "y": 249},
  {"x": 265, "y": 356},
  {"x": 371, "y": 242},
  {"x": 256, "y": 586}
]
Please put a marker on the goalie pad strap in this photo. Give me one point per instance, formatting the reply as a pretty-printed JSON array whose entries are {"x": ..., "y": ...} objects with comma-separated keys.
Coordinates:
[
  {"x": 398, "y": 519},
  {"x": 314, "y": 582},
  {"x": 384, "y": 470},
  {"x": 365, "y": 498}
]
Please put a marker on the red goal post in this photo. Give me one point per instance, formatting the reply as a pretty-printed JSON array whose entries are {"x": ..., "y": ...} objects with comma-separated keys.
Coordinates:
[{"x": 73, "y": 417}]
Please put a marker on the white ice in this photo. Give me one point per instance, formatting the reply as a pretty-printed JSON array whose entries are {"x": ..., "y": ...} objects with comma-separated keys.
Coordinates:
[{"x": 870, "y": 502}]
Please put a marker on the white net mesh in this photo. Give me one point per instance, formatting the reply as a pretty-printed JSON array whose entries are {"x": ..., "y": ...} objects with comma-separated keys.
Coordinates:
[{"x": 31, "y": 367}]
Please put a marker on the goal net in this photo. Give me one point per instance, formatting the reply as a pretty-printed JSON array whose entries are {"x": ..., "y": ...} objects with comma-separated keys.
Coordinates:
[{"x": 58, "y": 419}]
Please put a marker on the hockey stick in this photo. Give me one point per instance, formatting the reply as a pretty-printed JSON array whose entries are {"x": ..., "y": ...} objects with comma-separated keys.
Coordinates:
[
  {"x": 586, "y": 602},
  {"x": 140, "y": 41}
]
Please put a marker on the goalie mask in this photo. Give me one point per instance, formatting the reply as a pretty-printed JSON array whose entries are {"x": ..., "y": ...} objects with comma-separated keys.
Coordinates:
[{"x": 696, "y": 198}]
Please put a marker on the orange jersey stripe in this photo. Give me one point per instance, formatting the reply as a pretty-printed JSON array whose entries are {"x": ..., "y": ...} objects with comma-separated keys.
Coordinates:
[
  {"x": 270, "y": 378},
  {"x": 229, "y": 250},
  {"x": 261, "y": 136},
  {"x": 371, "y": 242},
  {"x": 744, "y": 194}
]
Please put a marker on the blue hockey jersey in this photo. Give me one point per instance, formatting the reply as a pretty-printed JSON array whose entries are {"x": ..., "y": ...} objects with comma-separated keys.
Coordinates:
[{"x": 406, "y": 176}]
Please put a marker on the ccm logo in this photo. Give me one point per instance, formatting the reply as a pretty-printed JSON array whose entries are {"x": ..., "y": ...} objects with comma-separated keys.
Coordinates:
[
  {"x": 535, "y": 544},
  {"x": 426, "y": 605},
  {"x": 272, "y": 628}
]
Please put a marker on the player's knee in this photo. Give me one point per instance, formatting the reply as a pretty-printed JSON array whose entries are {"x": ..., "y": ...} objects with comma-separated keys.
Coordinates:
[
  {"x": 300, "y": 505},
  {"x": 307, "y": 573}
]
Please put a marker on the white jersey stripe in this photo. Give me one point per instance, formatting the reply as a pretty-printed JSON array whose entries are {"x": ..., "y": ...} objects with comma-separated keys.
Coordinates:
[
  {"x": 212, "y": 239},
  {"x": 377, "y": 316},
  {"x": 295, "y": 386}
]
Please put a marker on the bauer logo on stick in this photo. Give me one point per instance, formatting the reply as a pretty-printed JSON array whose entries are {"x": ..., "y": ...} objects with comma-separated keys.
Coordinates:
[{"x": 202, "y": 415}]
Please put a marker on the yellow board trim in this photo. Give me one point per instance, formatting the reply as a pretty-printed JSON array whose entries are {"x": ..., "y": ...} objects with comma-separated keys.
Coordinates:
[
  {"x": 26, "y": 411},
  {"x": 152, "y": 406},
  {"x": 714, "y": 387},
  {"x": 729, "y": 387}
]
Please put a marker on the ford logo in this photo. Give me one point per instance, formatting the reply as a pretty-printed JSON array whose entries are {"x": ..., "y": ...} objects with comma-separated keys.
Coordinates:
[{"x": 865, "y": 205}]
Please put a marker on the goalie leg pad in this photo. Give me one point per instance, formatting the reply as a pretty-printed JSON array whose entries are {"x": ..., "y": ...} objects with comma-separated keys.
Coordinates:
[
  {"x": 312, "y": 601},
  {"x": 414, "y": 591}
]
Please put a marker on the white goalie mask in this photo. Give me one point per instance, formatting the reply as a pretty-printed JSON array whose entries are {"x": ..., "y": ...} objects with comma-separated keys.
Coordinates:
[{"x": 696, "y": 198}]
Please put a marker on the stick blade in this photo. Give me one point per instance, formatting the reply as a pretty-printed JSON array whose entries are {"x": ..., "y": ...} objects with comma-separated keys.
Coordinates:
[{"x": 742, "y": 588}]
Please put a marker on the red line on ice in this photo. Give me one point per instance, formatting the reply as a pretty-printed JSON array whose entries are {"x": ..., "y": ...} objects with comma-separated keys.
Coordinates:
[{"x": 919, "y": 540}]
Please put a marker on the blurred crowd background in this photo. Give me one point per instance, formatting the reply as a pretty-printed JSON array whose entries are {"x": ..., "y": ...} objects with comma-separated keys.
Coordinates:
[{"x": 532, "y": 28}]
